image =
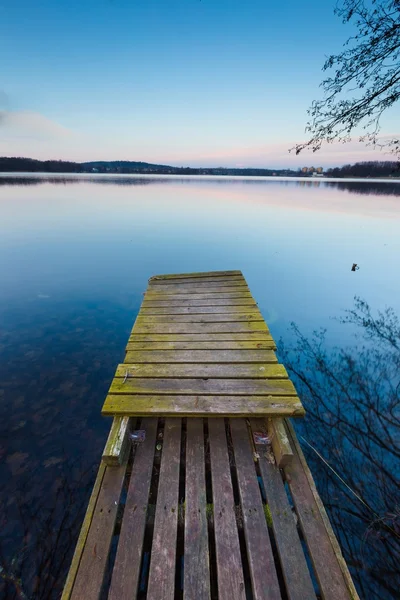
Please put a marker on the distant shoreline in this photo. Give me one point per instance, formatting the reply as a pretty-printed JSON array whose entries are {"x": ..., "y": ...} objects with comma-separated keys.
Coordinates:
[{"x": 162, "y": 176}]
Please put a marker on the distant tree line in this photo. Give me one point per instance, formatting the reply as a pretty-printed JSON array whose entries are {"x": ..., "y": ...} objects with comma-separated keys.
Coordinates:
[
  {"x": 366, "y": 169},
  {"x": 29, "y": 165}
]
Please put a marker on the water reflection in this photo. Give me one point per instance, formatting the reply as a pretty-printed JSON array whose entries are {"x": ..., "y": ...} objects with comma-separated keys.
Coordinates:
[
  {"x": 352, "y": 397},
  {"x": 364, "y": 187},
  {"x": 75, "y": 256}
]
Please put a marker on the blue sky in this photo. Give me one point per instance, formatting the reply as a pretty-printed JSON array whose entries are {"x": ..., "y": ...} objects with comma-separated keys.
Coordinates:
[{"x": 199, "y": 82}]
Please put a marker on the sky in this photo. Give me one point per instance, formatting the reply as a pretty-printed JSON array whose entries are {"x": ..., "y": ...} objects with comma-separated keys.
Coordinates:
[{"x": 188, "y": 82}]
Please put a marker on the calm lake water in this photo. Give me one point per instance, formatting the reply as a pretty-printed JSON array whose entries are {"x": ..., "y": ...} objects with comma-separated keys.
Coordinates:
[{"x": 75, "y": 257}]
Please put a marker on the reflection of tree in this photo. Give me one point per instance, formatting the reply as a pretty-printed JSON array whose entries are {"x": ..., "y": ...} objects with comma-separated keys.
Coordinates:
[
  {"x": 48, "y": 527},
  {"x": 367, "y": 188},
  {"x": 352, "y": 399}
]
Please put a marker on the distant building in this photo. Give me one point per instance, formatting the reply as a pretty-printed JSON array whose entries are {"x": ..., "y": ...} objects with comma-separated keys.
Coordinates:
[{"x": 304, "y": 170}]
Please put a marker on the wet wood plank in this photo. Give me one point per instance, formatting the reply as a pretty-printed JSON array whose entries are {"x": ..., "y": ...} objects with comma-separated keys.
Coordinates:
[
  {"x": 295, "y": 571},
  {"x": 199, "y": 310},
  {"x": 186, "y": 280},
  {"x": 326, "y": 566},
  {"x": 196, "y": 275},
  {"x": 202, "y": 406},
  {"x": 163, "y": 553},
  {"x": 280, "y": 442},
  {"x": 134, "y": 346},
  {"x": 198, "y": 318},
  {"x": 200, "y": 370},
  {"x": 202, "y": 337},
  {"x": 224, "y": 302},
  {"x": 117, "y": 445},
  {"x": 263, "y": 574},
  {"x": 229, "y": 562},
  {"x": 80, "y": 545},
  {"x": 153, "y": 296},
  {"x": 197, "y": 568},
  {"x": 93, "y": 564},
  {"x": 207, "y": 387},
  {"x": 126, "y": 572},
  {"x": 199, "y": 328},
  {"x": 185, "y": 284},
  {"x": 204, "y": 356}
]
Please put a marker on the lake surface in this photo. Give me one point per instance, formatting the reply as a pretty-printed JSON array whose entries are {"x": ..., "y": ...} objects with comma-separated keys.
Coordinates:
[{"x": 75, "y": 257}]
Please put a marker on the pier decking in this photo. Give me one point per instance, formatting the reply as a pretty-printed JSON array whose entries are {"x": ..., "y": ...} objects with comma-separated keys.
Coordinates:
[{"x": 217, "y": 501}]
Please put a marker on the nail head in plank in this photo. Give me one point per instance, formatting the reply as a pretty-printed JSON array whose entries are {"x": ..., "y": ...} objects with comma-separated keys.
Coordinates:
[
  {"x": 94, "y": 560},
  {"x": 280, "y": 442},
  {"x": 295, "y": 570},
  {"x": 229, "y": 562},
  {"x": 263, "y": 574},
  {"x": 117, "y": 445},
  {"x": 197, "y": 568},
  {"x": 126, "y": 572},
  {"x": 203, "y": 356},
  {"x": 163, "y": 553},
  {"x": 202, "y": 406}
]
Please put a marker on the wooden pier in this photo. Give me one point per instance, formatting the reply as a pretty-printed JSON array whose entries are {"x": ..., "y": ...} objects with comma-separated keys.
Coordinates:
[{"x": 212, "y": 498}]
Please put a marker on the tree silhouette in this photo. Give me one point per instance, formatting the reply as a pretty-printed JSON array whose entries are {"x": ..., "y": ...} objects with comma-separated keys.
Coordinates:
[
  {"x": 366, "y": 79},
  {"x": 352, "y": 398}
]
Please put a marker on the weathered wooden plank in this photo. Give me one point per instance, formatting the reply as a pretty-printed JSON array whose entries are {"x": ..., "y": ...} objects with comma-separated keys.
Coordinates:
[
  {"x": 202, "y": 406},
  {"x": 134, "y": 346},
  {"x": 92, "y": 567},
  {"x": 229, "y": 562},
  {"x": 201, "y": 284},
  {"x": 198, "y": 292},
  {"x": 201, "y": 356},
  {"x": 280, "y": 442},
  {"x": 144, "y": 319},
  {"x": 206, "y": 387},
  {"x": 80, "y": 545},
  {"x": 326, "y": 566},
  {"x": 225, "y": 302},
  {"x": 295, "y": 571},
  {"x": 263, "y": 574},
  {"x": 200, "y": 310},
  {"x": 195, "y": 328},
  {"x": 117, "y": 445},
  {"x": 259, "y": 336},
  {"x": 196, "y": 275},
  {"x": 351, "y": 590},
  {"x": 153, "y": 296},
  {"x": 162, "y": 564},
  {"x": 200, "y": 370},
  {"x": 198, "y": 280},
  {"x": 126, "y": 572},
  {"x": 196, "y": 584}
]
